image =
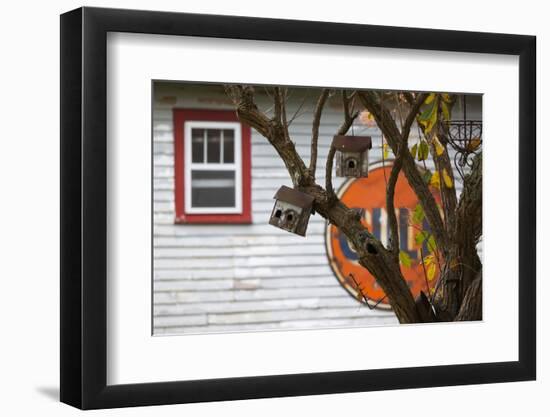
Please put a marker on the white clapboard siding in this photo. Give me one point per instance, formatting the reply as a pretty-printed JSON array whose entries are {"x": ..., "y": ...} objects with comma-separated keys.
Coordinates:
[
  {"x": 283, "y": 325},
  {"x": 225, "y": 278},
  {"x": 258, "y": 294},
  {"x": 247, "y": 241},
  {"x": 240, "y": 273},
  {"x": 239, "y": 251},
  {"x": 262, "y": 305}
]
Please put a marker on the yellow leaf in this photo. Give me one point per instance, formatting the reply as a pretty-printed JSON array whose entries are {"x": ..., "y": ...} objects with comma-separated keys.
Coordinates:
[
  {"x": 439, "y": 149},
  {"x": 434, "y": 181},
  {"x": 428, "y": 118},
  {"x": 431, "y": 272},
  {"x": 473, "y": 144},
  {"x": 367, "y": 119},
  {"x": 429, "y": 260},
  {"x": 447, "y": 179},
  {"x": 430, "y": 98},
  {"x": 386, "y": 148}
]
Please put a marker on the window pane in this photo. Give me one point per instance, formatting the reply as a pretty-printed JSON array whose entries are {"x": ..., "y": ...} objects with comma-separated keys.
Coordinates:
[
  {"x": 228, "y": 146},
  {"x": 213, "y": 139},
  {"x": 212, "y": 188},
  {"x": 197, "y": 145}
]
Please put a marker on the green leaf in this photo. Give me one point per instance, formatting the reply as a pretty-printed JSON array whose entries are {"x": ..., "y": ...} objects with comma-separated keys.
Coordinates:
[
  {"x": 431, "y": 123},
  {"x": 427, "y": 176},
  {"x": 423, "y": 151},
  {"x": 431, "y": 244},
  {"x": 427, "y": 113},
  {"x": 413, "y": 150},
  {"x": 428, "y": 117},
  {"x": 421, "y": 237},
  {"x": 418, "y": 214},
  {"x": 405, "y": 259}
]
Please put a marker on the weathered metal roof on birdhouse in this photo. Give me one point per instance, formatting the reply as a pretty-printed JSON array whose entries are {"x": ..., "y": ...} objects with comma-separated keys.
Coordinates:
[
  {"x": 352, "y": 143},
  {"x": 294, "y": 197}
]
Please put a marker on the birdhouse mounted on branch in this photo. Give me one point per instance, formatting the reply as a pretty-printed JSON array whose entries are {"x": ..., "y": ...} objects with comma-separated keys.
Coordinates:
[
  {"x": 352, "y": 157},
  {"x": 292, "y": 210}
]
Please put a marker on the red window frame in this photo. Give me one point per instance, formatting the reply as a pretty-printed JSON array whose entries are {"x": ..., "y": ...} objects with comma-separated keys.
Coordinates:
[{"x": 180, "y": 117}]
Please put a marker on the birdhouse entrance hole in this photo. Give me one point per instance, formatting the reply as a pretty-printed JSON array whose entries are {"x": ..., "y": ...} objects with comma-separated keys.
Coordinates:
[{"x": 292, "y": 210}]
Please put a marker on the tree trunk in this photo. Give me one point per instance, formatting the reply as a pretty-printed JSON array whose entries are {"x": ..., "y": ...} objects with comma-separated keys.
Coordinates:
[{"x": 472, "y": 304}]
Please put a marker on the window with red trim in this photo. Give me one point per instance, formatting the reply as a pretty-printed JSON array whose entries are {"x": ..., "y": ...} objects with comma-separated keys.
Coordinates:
[{"x": 212, "y": 167}]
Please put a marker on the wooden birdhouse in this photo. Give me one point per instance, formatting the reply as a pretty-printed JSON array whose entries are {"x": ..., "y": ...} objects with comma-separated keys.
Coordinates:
[
  {"x": 352, "y": 157},
  {"x": 292, "y": 210}
]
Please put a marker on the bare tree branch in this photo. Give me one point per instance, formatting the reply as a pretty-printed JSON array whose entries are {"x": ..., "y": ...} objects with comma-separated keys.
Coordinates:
[
  {"x": 328, "y": 173},
  {"x": 463, "y": 263},
  {"x": 386, "y": 123},
  {"x": 411, "y": 117},
  {"x": 394, "y": 174},
  {"x": 458, "y": 293},
  {"x": 469, "y": 208},
  {"x": 272, "y": 129},
  {"x": 280, "y": 109},
  {"x": 278, "y": 103},
  {"x": 297, "y": 112},
  {"x": 393, "y": 244},
  {"x": 443, "y": 165},
  {"x": 349, "y": 118},
  {"x": 372, "y": 254},
  {"x": 315, "y": 130}
]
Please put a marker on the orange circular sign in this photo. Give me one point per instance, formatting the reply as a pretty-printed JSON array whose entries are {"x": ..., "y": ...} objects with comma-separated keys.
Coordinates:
[{"x": 369, "y": 194}]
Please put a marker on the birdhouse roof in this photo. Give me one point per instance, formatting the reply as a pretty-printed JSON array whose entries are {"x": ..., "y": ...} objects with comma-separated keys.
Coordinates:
[
  {"x": 344, "y": 143},
  {"x": 294, "y": 197}
]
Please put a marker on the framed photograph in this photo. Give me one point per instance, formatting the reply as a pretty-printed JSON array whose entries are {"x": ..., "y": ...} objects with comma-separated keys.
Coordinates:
[{"x": 259, "y": 208}]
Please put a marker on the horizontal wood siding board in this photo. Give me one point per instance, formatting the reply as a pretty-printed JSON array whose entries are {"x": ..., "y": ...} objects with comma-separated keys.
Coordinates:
[
  {"x": 241, "y": 273},
  {"x": 284, "y": 325},
  {"x": 262, "y": 305}
]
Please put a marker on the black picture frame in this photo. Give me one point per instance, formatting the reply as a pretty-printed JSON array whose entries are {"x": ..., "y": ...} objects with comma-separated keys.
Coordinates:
[{"x": 84, "y": 207}]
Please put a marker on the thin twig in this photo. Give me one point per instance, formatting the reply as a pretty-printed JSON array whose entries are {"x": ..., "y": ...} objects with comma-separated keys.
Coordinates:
[
  {"x": 297, "y": 112},
  {"x": 364, "y": 295},
  {"x": 349, "y": 118},
  {"x": 315, "y": 130}
]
